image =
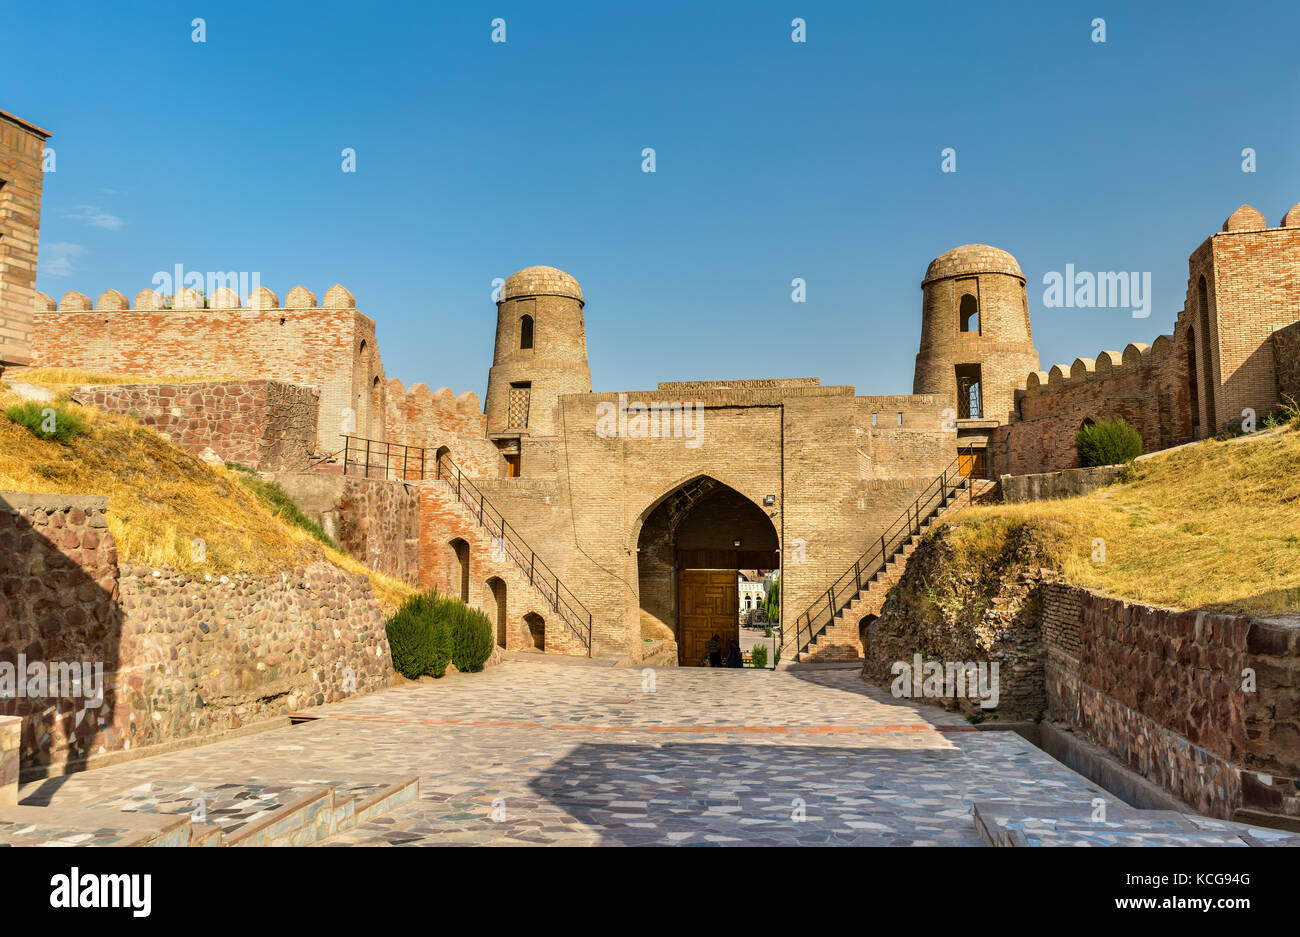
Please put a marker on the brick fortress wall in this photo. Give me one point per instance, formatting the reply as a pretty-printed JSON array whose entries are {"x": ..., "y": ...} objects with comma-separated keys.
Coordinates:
[
  {"x": 330, "y": 347},
  {"x": 22, "y": 148},
  {"x": 430, "y": 420},
  {"x": 1144, "y": 385}
]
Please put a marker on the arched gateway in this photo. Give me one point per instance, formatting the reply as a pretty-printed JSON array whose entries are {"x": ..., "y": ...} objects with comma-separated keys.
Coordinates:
[{"x": 691, "y": 545}]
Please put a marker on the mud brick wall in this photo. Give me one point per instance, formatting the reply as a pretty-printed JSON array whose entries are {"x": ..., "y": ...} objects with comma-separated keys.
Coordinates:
[
  {"x": 1164, "y": 691},
  {"x": 182, "y": 657},
  {"x": 266, "y": 425},
  {"x": 1253, "y": 287},
  {"x": 1061, "y": 619},
  {"x": 900, "y": 436},
  {"x": 375, "y": 520}
]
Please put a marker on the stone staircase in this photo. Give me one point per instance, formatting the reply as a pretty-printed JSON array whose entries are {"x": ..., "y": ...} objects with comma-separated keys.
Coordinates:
[
  {"x": 1017, "y": 824},
  {"x": 842, "y": 640},
  {"x": 529, "y": 585},
  {"x": 207, "y": 812}
]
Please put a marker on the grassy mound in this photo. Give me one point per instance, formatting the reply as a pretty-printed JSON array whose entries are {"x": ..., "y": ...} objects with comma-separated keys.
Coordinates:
[
  {"x": 167, "y": 507},
  {"x": 1213, "y": 526},
  {"x": 71, "y": 377}
]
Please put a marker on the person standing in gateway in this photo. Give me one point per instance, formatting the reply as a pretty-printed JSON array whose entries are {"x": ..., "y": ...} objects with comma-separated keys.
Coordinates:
[{"x": 715, "y": 651}]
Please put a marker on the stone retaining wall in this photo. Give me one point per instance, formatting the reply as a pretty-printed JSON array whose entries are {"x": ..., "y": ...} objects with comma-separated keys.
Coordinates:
[
  {"x": 1065, "y": 484},
  {"x": 1206, "y": 705},
  {"x": 949, "y": 617},
  {"x": 180, "y": 657},
  {"x": 373, "y": 519},
  {"x": 259, "y": 424},
  {"x": 11, "y": 736}
]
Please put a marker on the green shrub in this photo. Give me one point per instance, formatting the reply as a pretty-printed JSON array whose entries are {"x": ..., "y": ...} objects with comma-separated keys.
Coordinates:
[
  {"x": 758, "y": 655},
  {"x": 1108, "y": 442},
  {"x": 48, "y": 421},
  {"x": 471, "y": 637},
  {"x": 410, "y": 636},
  {"x": 419, "y": 636}
]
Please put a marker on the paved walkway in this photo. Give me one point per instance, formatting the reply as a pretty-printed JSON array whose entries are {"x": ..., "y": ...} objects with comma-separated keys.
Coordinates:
[{"x": 536, "y": 753}]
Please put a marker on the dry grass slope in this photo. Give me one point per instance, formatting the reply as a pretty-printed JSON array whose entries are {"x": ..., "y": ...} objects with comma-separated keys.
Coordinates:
[
  {"x": 161, "y": 499},
  {"x": 1212, "y": 526}
]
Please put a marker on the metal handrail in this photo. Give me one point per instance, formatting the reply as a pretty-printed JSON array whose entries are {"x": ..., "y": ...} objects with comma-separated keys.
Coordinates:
[
  {"x": 505, "y": 538},
  {"x": 821, "y": 613}
]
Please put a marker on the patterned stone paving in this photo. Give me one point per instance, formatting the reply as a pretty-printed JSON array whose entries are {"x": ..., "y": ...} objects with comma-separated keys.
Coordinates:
[
  {"x": 534, "y": 753},
  {"x": 231, "y": 806}
]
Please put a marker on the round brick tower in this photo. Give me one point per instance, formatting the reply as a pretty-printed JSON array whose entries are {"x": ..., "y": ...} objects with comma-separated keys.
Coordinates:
[
  {"x": 541, "y": 353},
  {"x": 976, "y": 346}
]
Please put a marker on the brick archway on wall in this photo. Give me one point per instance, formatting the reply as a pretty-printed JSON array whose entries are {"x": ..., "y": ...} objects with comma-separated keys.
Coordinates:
[{"x": 689, "y": 535}]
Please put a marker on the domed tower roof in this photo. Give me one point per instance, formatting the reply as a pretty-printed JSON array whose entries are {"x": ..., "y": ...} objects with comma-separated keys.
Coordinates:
[
  {"x": 971, "y": 259},
  {"x": 541, "y": 281}
]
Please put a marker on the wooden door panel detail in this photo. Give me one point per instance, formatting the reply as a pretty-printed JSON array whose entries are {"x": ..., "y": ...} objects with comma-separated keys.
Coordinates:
[{"x": 708, "y": 604}]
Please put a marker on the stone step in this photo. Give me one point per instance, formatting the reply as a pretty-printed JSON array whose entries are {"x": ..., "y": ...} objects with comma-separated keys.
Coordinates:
[
  {"x": 252, "y": 812},
  {"x": 1015, "y": 824},
  {"x": 72, "y": 826}
]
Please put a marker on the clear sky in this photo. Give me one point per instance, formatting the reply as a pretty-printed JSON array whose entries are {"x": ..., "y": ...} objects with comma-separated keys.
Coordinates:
[{"x": 774, "y": 160}]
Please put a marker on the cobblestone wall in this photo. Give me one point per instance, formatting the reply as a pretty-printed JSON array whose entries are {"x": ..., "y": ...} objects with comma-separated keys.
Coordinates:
[
  {"x": 953, "y": 615},
  {"x": 181, "y": 657},
  {"x": 376, "y": 520},
  {"x": 267, "y": 425},
  {"x": 1286, "y": 362}
]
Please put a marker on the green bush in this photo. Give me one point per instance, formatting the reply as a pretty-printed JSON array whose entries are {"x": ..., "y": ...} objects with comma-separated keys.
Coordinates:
[
  {"x": 419, "y": 636},
  {"x": 471, "y": 637},
  {"x": 48, "y": 421},
  {"x": 1108, "y": 442},
  {"x": 758, "y": 655},
  {"x": 410, "y": 636}
]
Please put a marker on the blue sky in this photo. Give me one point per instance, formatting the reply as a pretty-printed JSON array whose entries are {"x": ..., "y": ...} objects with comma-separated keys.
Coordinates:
[{"x": 775, "y": 160}]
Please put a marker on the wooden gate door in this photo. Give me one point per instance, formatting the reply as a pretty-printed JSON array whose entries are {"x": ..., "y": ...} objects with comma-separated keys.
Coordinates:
[
  {"x": 708, "y": 604},
  {"x": 971, "y": 463}
]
